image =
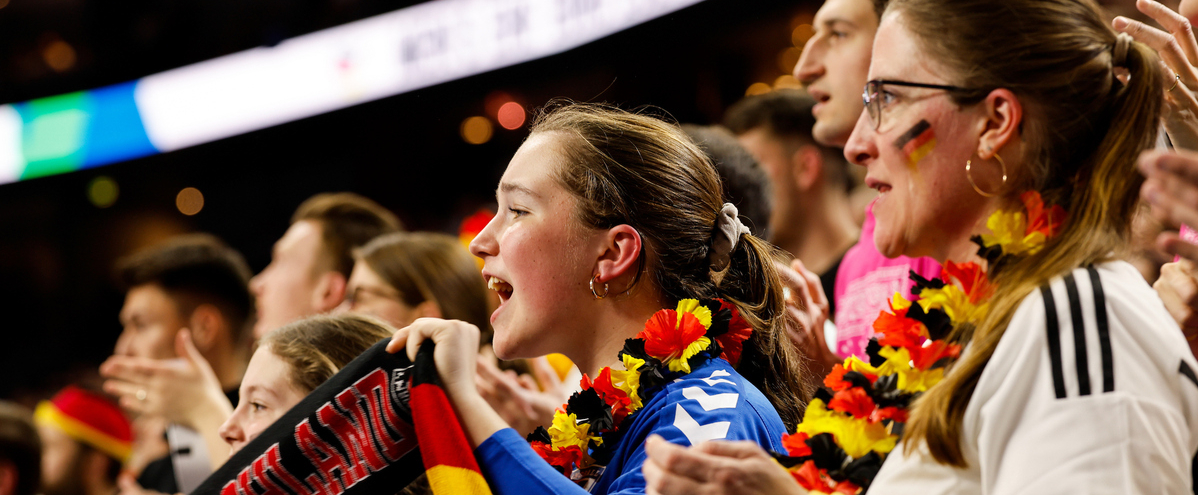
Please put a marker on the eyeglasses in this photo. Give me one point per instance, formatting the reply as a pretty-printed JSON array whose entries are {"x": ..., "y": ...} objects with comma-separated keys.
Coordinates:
[
  {"x": 873, "y": 92},
  {"x": 354, "y": 295}
]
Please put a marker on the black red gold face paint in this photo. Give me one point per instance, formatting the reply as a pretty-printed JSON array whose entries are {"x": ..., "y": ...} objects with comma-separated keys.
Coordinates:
[{"x": 917, "y": 142}]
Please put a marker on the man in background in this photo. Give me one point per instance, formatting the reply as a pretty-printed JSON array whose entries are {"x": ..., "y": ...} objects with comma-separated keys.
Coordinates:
[
  {"x": 812, "y": 218},
  {"x": 834, "y": 68},
  {"x": 183, "y": 349},
  {"x": 310, "y": 265},
  {"x": 745, "y": 184},
  {"x": 86, "y": 439}
]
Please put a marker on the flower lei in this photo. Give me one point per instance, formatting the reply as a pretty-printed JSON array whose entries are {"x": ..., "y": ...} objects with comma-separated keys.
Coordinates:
[
  {"x": 848, "y": 429},
  {"x": 587, "y": 429}
]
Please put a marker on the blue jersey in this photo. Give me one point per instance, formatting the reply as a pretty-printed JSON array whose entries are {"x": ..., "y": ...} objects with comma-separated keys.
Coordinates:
[{"x": 713, "y": 402}]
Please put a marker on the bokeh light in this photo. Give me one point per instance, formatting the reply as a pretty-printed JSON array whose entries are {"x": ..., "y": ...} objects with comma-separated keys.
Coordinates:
[
  {"x": 801, "y": 34},
  {"x": 511, "y": 116},
  {"x": 59, "y": 55},
  {"x": 102, "y": 191},
  {"x": 787, "y": 82},
  {"x": 788, "y": 58},
  {"x": 800, "y": 19},
  {"x": 476, "y": 130},
  {"x": 496, "y": 100},
  {"x": 189, "y": 201},
  {"x": 758, "y": 88}
]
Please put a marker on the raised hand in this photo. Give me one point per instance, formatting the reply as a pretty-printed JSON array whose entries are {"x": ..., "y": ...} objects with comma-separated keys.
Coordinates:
[
  {"x": 1171, "y": 189},
  {"x": 807, "y": 313},
  {"x": 518, "y": 398},
  {"x": 182, "y": 390},
  {"x": 1179, "y": 52}
]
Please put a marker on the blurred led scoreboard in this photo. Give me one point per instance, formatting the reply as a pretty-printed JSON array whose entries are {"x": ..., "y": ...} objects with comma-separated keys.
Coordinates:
[{"x": 373, "y": 58}]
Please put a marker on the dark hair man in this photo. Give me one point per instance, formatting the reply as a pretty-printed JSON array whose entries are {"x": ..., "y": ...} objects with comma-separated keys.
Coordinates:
[
  {"x": 745, "y": 184},
  {"x": 834, "y": 68},
  {"x": 182, "y": 352}
]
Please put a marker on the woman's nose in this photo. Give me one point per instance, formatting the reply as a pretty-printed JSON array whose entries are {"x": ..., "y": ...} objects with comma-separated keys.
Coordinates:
[{"x": 861, "y": 147}]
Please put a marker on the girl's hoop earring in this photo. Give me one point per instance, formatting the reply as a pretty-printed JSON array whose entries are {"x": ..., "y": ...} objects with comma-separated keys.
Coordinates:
[
  {"x": 979, "y": 190},
  {"x": 596, "y": 294}
]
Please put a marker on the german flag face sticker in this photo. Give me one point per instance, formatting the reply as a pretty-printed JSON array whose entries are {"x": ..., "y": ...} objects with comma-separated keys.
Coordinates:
[{"x": 917, "y": 142}]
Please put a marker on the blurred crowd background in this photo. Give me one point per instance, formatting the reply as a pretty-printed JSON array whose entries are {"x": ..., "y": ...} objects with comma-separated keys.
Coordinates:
[{"x": 432, "y": 156}]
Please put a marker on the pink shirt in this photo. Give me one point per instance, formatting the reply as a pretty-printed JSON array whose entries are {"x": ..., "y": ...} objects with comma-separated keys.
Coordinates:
[{"x": 865, "y": 284}]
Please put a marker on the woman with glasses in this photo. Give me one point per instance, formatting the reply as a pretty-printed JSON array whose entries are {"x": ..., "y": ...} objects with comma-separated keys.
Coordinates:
[
  {"x": 408, "y": 275},
  {"x": 1002, "y": 138},
  {"x": 403, "y": 276}
]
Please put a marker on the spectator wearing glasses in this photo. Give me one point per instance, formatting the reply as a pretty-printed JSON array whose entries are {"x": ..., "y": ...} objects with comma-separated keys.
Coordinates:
[
  {"x": 1073, "y": 377},
  {"x": 834, "y": 68},
  {"x": 402, "y": 276}
]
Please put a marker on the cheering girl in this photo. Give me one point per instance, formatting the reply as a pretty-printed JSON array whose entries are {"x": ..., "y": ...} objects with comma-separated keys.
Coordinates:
[{"x": 614, "y": 247}]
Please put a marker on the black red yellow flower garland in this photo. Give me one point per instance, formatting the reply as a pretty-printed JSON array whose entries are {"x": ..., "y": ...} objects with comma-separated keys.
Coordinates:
[
  {"x": 587, "y": 429},
  {"x": 848, "y": 429}
]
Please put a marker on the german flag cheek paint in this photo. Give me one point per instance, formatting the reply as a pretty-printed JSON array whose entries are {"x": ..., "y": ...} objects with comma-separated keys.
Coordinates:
[{"x": 917, "y": 142}]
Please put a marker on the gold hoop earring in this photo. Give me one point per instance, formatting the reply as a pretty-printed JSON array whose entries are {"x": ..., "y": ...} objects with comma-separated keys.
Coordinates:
[
  {"x": 596, "y": 294},
  {"x": 979, "y": 190}
]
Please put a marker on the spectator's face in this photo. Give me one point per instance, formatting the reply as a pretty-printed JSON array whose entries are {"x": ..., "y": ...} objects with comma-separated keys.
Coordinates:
[
  {"x": 835, "y": 64},
  {"x": 61, "y": 456},
  {"x": 915, "y": 153},
  {"x": 150, "y": 319},
  {"x": 266, "y": 393},
  {"x": 369, "y": 294},
  {"x": 287, "y": 289},
  {"x": 533, "y": 253}
]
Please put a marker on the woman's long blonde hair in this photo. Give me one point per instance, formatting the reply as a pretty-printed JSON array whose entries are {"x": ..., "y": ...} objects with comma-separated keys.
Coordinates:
[{"x": 1083, "y": 130}]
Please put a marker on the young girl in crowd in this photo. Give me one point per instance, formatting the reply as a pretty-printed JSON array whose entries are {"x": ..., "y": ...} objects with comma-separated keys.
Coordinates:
[
  {"x": 1003, "y": 138},
  {"x": 613, "y": 246},
  {"x": 290, "y": 363}
]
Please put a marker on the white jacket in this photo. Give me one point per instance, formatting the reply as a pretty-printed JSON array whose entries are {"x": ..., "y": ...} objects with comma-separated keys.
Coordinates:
[{"x": 1107, "y": 405}]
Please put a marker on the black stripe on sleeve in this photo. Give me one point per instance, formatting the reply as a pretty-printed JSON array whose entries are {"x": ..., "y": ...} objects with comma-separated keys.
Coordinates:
[
  {"x": 1189, "y": 373},
  {"x": 1054, "y": 341},
  {"x": 1104, "y": 331},
  {"x": 1079, "y": 336}
]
